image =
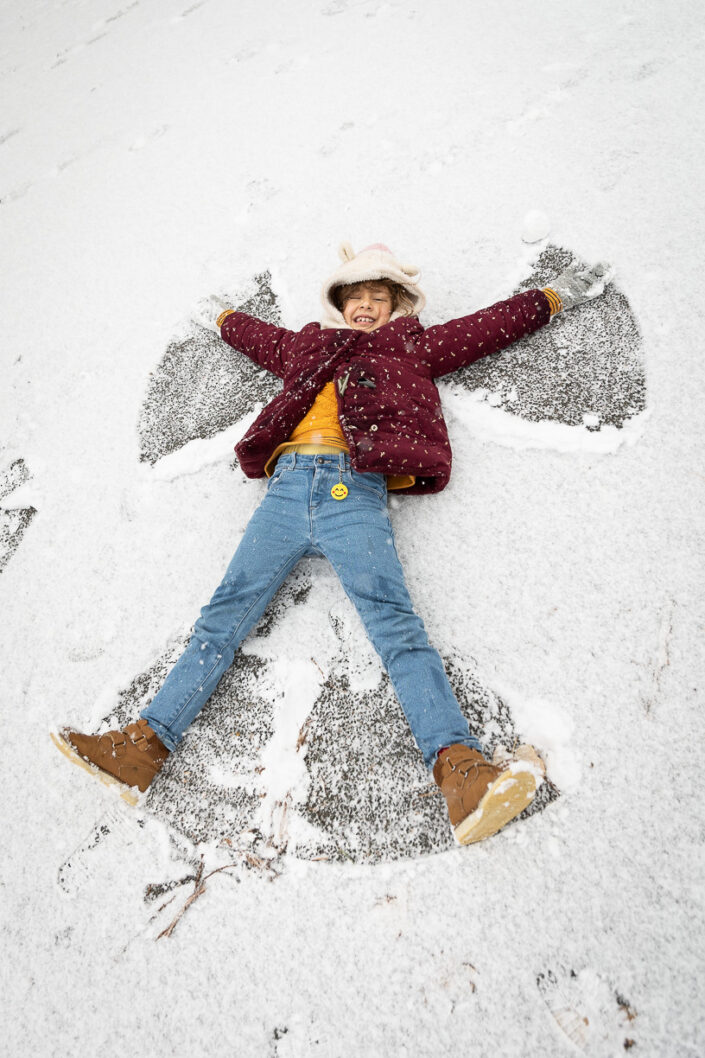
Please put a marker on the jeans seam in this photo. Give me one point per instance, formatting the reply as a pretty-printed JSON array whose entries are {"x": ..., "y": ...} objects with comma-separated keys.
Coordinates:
[{"x": 237, "y": 626}]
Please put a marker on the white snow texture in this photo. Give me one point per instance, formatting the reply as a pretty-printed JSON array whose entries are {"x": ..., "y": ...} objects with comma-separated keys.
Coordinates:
[{"x": 152, "y": 154}]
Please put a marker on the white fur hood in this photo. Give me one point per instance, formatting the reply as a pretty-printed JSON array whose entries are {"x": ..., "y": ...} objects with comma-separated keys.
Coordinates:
[{"x": 374, "y": 262}]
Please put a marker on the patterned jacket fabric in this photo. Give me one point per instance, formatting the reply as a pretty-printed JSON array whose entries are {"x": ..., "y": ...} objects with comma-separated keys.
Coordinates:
[{"x": 388, "y": 405}]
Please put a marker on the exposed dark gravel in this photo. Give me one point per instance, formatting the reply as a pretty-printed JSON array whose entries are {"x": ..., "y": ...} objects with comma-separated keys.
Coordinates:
[
  {"x": 587, "y": 361},
  {"x": 13, "y": 523}
]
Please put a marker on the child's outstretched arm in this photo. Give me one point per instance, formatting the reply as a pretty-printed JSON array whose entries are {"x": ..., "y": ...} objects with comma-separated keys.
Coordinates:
[
  {"x": 268, "y": 345},
  {"x": 450, "y": 346},
  {"x": 453, "y": 345}
]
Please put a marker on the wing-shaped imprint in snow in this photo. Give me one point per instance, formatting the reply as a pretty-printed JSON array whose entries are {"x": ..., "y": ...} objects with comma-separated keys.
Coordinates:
[
  {"x": 584, "y": 371},
  {"x": 310, "y": 754},
  {"x": 15, "y": 518},
  {"x": 202, "y": 386},
  {"x": 578, "y": 383},
  {"x": 369, "y": 795},
  {"x": 213, "y": 787}
]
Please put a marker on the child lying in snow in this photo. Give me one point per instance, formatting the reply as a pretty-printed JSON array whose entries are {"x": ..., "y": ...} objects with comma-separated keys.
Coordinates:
[{"x": 359, "y": 415}]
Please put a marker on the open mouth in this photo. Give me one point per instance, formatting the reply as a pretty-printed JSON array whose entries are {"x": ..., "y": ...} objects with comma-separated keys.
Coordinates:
[{"x": 363, "y": 319}]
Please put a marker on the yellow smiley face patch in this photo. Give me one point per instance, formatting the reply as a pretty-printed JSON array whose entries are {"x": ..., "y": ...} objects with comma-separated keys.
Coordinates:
[{"x": 339, "y": 491}]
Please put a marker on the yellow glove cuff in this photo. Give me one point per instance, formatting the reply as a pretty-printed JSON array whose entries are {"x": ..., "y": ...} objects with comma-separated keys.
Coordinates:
[{"x": 553, "y": 300}]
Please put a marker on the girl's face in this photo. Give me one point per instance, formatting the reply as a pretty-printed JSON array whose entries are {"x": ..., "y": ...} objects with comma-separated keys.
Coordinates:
[{"x": 367, "y": 307}]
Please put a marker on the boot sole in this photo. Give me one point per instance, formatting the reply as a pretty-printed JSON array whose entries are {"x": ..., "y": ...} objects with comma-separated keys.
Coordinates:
[
  {"x": 504, "y": 800},
  {"x": 71, "y": 753}
]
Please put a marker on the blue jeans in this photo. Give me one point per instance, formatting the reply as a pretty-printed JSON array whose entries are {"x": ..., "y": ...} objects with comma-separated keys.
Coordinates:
[{"x": 297, "y": 517}]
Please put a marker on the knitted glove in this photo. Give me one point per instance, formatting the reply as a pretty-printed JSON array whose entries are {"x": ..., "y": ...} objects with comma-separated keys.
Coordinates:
[{"x": 578, "y": 285}]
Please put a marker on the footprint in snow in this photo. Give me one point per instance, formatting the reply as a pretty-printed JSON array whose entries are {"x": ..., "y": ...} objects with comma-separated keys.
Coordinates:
[{"x": 588, "y": 1010}]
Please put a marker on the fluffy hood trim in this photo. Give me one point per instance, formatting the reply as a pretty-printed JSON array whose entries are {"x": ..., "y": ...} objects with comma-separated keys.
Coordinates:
[{"x": 374, "y": 262}]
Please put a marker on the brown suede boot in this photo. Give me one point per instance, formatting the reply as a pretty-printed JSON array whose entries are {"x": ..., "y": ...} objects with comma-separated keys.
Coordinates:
[
  {"x": 483, "y": 796},
  {"x": 133, "y": 756}
]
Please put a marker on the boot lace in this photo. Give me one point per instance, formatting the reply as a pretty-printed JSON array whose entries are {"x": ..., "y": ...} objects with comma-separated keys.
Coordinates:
[{"x": 474, "y": 765}]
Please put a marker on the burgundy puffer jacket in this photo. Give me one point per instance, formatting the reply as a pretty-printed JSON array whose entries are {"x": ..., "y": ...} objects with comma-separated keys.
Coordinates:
[{"x": 388, "y": 406}]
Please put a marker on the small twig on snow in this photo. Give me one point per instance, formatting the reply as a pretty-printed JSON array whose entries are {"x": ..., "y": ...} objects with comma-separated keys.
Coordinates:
[
  {"x": 663, "y": 656},
  {"x": 199, "y": 890},
  {"x": 318, "y": 667}
]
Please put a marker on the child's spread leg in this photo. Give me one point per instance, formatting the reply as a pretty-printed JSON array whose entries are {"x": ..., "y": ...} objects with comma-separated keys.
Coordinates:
[
  {"x": 276, "y": 537},
  {"x": 357, "y": 538}
]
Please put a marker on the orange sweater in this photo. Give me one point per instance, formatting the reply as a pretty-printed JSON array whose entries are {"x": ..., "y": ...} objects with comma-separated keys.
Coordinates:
[{"x": 320, "y": 428}]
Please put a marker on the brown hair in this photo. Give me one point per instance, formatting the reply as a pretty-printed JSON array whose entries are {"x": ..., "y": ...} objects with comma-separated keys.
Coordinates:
[{"x": 401, "y": 299}]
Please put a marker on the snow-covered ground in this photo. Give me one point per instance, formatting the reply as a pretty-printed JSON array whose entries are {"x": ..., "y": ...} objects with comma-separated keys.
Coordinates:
[{"x": 152, "y": 154}]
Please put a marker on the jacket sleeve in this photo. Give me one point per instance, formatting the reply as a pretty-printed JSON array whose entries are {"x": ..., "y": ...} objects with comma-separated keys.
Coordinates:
[
  {"x": 267, "y": 345},
  {"x": 460, "y": 342}
]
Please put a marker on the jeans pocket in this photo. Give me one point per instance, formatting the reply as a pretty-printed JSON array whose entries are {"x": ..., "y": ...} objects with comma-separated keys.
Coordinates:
[{"x": 376, "y": 483}]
